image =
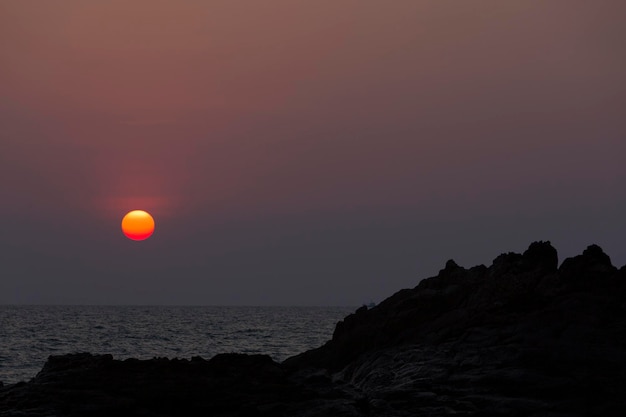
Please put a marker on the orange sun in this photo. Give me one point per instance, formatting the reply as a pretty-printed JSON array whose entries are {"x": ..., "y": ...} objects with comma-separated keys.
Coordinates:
[{"x": 138, "y": 225}]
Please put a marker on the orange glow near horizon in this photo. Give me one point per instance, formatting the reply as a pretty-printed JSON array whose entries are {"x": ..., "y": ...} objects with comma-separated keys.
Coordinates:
[{"x": 138, "y": 225}]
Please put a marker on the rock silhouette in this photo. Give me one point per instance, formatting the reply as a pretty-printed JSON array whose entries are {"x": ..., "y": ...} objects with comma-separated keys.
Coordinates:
[{"x": 522, "y": 337}]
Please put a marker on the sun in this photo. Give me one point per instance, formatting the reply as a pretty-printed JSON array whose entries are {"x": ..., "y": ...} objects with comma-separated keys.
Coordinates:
[{"x": 138, "y": 225}]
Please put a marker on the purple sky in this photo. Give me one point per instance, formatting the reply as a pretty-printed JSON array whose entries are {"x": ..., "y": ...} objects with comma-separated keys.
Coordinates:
[{"x": 320, "y": 153}]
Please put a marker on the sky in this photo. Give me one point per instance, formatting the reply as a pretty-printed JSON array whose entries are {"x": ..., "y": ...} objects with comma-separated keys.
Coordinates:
[{"x": 301, "y": 152}]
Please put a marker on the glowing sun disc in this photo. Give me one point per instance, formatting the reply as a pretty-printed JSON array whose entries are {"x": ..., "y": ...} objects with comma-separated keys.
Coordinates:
[{"x": 138, "y": 225}]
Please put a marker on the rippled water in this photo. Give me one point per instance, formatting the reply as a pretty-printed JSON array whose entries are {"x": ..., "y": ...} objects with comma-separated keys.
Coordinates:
[{"x": 29, "y": 334}]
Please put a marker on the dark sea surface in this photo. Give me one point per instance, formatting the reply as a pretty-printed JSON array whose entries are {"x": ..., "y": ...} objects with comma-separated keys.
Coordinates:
[{"x": 29, "y": 334}]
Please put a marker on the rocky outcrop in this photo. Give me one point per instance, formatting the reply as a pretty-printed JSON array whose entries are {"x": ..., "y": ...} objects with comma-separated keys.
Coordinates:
[
  {"x": 522, "y": 337},
  {"x": 443, "y": 307}
]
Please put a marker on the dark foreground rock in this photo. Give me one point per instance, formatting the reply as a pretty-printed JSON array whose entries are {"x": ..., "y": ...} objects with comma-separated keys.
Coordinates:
[
  {"x": 227, "y": 385},
  {"x": 522, "y": 337}
]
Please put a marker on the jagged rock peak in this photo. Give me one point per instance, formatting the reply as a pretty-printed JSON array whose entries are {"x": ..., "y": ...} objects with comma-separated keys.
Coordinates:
[
  {"x": 504, "y": 263},
  {"x": 541, "y": 255},
  {"x": 450, "y": 266},
  {"x": 593, "y": 260},
  {"x": 596, "y": 254}
]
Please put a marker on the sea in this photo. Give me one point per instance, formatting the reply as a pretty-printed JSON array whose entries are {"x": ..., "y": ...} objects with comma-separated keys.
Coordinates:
[{"x": 29, "y": 334}]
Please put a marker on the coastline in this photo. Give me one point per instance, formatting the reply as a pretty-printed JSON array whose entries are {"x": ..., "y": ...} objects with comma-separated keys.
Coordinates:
[{"x": 523, "y": 336}]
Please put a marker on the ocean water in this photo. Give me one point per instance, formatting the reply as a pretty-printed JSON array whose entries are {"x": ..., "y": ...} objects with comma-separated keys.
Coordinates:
[{"x": 29, "y": 334}]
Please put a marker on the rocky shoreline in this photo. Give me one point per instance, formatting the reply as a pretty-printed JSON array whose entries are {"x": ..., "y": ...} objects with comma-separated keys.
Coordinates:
[{"x": 522, "y": 337}]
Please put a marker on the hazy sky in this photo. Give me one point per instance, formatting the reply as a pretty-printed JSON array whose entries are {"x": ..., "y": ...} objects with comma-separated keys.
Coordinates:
[{"x": 301, "y": 152}]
